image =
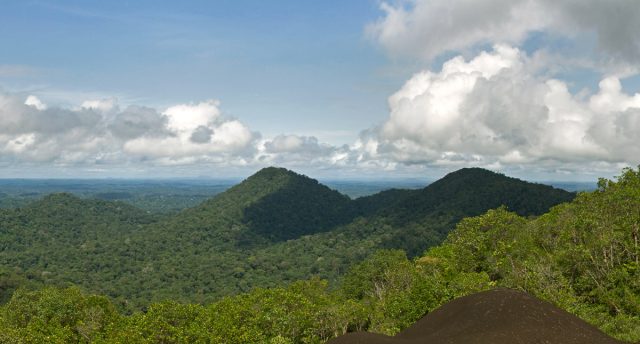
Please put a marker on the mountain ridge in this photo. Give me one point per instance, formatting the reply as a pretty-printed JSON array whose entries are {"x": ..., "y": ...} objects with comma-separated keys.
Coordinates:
[
  {"x": 246, "y": 236},
  {"x": 475, "y": 187},
  {"x": 580, "y": 256}
]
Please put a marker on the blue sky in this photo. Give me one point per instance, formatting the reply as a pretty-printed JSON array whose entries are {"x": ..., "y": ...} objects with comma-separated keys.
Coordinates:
[
  {"x": 332, "y": 89},
  {"x": 290, "y": 66}
]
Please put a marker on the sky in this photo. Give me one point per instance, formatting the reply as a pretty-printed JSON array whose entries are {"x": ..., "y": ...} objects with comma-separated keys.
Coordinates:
[{"x": 542, "y": 90}]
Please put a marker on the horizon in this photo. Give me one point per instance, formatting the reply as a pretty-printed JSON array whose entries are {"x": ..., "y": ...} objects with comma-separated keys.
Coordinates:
[
  {"x": 393, "y": 181},
  {"x": 541, "y": 91}
]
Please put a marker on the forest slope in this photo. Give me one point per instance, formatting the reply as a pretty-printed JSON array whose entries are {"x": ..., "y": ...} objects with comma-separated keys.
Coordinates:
[
  {"x": 581, "y": 256},
  {"x": 275, "y": 227}
]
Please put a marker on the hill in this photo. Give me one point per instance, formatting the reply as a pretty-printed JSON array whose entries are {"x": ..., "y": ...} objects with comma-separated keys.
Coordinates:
[
  {"x": 273, "y": 228},
  {"x": 580, "y": 257},
  {"x": 274, "y": 204},
  {"x": 473, "y": 191},
  {"x": 436, "y": 209},
  {"x": 219, "y": 239}
]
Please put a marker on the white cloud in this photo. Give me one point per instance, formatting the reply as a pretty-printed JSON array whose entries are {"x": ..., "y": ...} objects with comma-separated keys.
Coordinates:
[
  {"x": 35, "y": 102},
  {"x": 496, "y": 109},
  {"x": 302, "y": 151},
  {"x": 98, "y": 132},
  {"x": 503, "y": 108},
  {"x": 428, "y": 28},
  {"x": 135, "y": 122},
  {"x": 195, "y": 130},
  {"x": 187, "y": 117},
  {"x": 295, "y": 144},
  {"x": 231, "y": 134}
]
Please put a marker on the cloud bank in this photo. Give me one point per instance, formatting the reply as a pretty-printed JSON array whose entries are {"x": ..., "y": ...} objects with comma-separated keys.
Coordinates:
[
  {"x": 502, "y": 107},
  {"x": 496, "y": 109},
  {"x": 100, "y": 132},
  {"x": 496, "y": 101}
]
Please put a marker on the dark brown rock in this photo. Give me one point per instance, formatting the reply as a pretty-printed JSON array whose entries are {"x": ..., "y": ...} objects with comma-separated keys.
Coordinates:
[{"x": 498, "y": 316}]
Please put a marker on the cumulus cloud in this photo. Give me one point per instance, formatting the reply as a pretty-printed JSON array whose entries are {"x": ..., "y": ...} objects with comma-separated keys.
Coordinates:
[
  {"x": 295, "y": 144},
  {"x": 201, "y": 134},
  {"x": 35, "y": 102},
  {"x": 99, "y": 132},
  {"x": 33, "y": 132},
  {"x": 194, "y": 130},
  {"x": 496, "y": 109},
  {"x": 428, "y": 28},
  {"x": 503, "y": 107},
  {"x": 137, "y": 121},
  {"x": 295, "y": 150}
]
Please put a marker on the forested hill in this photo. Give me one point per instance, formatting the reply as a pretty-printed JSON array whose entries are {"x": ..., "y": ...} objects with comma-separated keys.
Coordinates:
[
  {"x": 275, "y": 227},
  {"x": 473, "y": 191},
  {"x": 274, "y": 204},
  {"x": 582, "y": 256},
  {"x": 421, "y": 218}
]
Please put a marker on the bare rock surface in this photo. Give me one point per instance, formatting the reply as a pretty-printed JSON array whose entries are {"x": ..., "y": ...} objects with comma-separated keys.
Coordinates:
[{"x": 498, "y": 316}]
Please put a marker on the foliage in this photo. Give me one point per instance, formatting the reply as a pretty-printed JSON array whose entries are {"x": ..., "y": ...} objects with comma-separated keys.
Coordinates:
[
  {"x": 582, "y": 256},
  {"x": 54, "y": 315},
  {"x": 272, "y": 229}
]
